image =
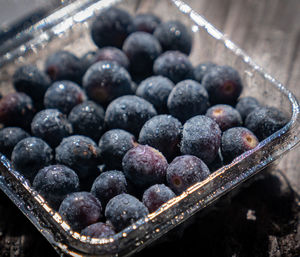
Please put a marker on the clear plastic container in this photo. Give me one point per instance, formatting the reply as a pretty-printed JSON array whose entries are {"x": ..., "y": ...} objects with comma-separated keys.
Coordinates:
[{"x": 68, "y": 28}]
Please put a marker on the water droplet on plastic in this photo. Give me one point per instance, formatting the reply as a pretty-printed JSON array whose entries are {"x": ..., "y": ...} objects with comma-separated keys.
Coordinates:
[{"x": 29, "y": 207}]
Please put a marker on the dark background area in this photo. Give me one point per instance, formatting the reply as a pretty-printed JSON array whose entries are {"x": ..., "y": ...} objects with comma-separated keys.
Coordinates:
[{"x": 263, "y": 219}]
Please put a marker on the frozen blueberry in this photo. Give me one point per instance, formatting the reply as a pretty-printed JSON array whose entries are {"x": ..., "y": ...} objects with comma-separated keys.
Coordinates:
[
  {"x": 142, "y": 49},
  {"x": 156, "y": 90},
  {"x": 133, "y": 87},
  {"x": 9, "y": 137},
  {"x": 81, "y": 154},
  {"x": 144, "y": 166},
  {"x": 123, "y": 210},
  {"x": 16, "y": 109},
  {"x": 184, "y": 171},
  {"x": 63, "y": 65},
  {"x": 157, "y": 195},
  {"x": 98, "y": 230},
  {"x": 129, "y": 113},
  {"x": 201, "y": 137},
  {"x": 162, "y": 132},
  {"x": 30, "y": 155},
  {"x": 87, "y": 119},
  {"x": 173, "y": 35},
  {"x": 105, "y": 81},
  {"x": 51, "y": 126},
  {"x": 174, "y": 65},
  {"x": 63, "y": 95},
  {"x": 201, "y": 69},
  {"x": 146, "y": 22},
  {"x": 111, "y": 27},
  {"x": 55, "y": 182},
  {"x": 108, "y": 185},
  {"x": 225, "y": 116},
  {"x": 112, "y": 54},
  {"x": 33, "y": 82},
  {"x": 246, "y": 105},
  {"x": 113, "y": 146},
  {"x": 223, "y": 84},
  {"x": 264, "y": 121},
  {"x": 236, "y": 141},
  {"x": 187, "y": 99},
  {"x": 80, "y": 209},
  {"x": 87, "y": 60}
]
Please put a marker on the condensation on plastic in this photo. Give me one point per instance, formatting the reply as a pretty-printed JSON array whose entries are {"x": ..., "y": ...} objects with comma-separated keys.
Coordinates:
[{"x": 68, "y": 29}]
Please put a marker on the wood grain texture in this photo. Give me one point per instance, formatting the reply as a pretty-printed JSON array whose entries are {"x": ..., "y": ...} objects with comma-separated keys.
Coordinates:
[{"x": 269, "y": 31}]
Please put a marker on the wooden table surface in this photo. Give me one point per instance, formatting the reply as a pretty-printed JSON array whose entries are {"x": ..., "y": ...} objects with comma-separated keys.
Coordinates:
[{"x": 256, "y": 223}]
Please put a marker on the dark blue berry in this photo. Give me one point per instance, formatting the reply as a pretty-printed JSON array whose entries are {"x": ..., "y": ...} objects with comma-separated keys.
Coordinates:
[
  {"x": 201, "y": 69},
  {"x": 51, "y": 126},
  {"x": 142, "y": 49},
  {"x": 129, "y": 113},
  {"x": 98, "y": 230},
  {"x": 33, "y": 82},
  {"x": 16, "y": 109},
  {"x": 9, "y": 137},
  {"x": 156, "y": 90},
  {"x": 81, "y": 154},
  {"x": 162, "y": 132},
  {"x": 80, "y": 210},
  {"x": 225, "y": 116},
  {"x": 64, "y": 65},
  {"x": 146, "y": 22},
  {"x": 30, "y": 155},
  {"x": 108, "y": 185},
  {"x": 144, "y": 166},
  {"x": 112, "y": 54},
  {"x": 87, "y": 60},
  {"x": 63, "y": 95},
  {"x": 264, "y": 121},
  {"x": 157, "y": 195},
  {"x": 105, "y": 81},
  {"x": 173, "y": 35},
  {"x": 123, "y": 210},
  {"x": 246, "y": 105},
  {"x": 111, "y": 27},
  {"x": 223, "y": 84},
  {"x": 187, "y": 99},
  {"x": 174, "y": 65},
  {"x": 87, "y": 119},
  {"x": 133, "y": 87},
  {"x": 184, "y": 171},
  {"x": 236, "y": 141},
  {"x": 55, "y": 182},
  {"x": 113, "y": 146},
  {"x": 201, "y": 137}
]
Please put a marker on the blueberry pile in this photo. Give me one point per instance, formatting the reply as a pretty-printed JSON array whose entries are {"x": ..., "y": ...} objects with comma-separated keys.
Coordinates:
[{"x": 111, "y": 136}]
